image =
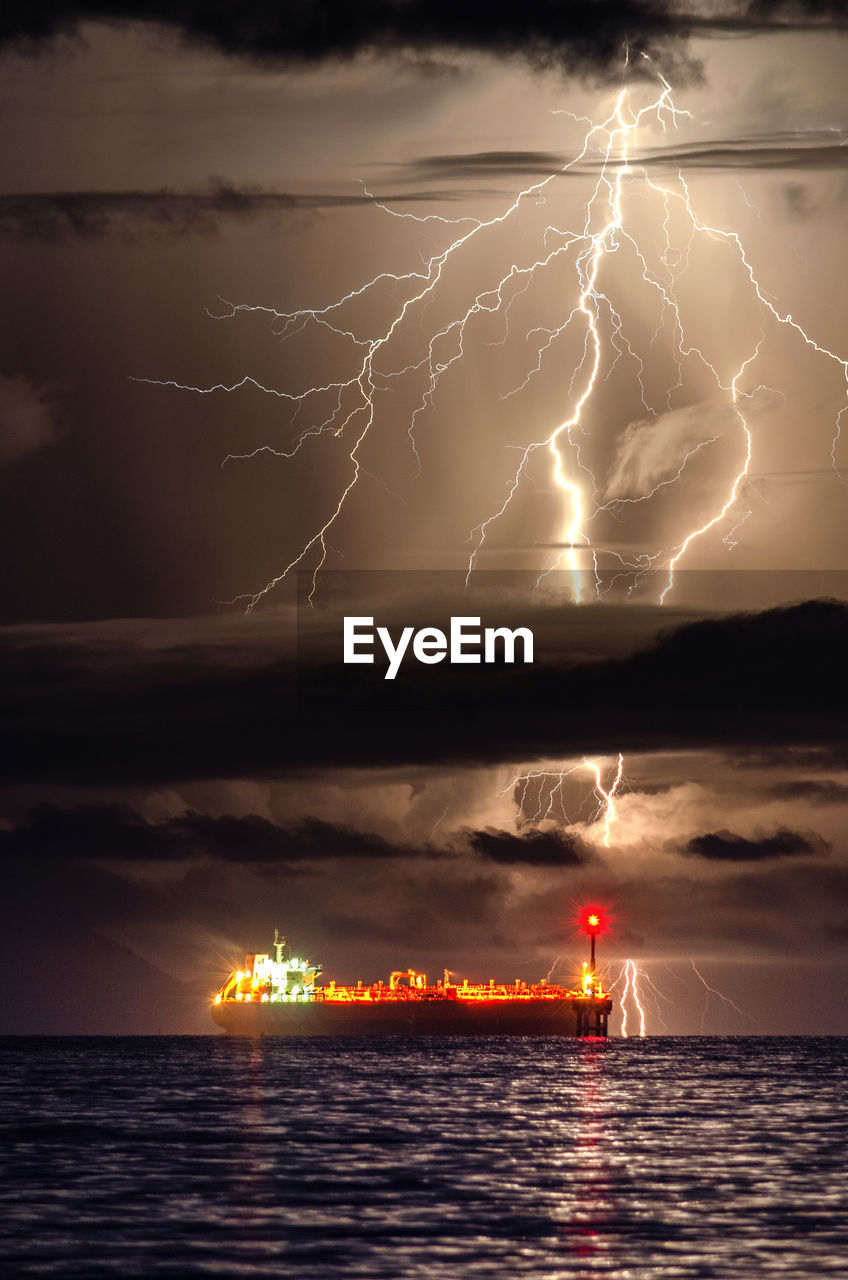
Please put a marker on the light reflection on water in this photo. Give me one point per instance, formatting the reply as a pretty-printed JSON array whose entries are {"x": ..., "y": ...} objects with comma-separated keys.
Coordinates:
[{"x": 436, "y": 1158}]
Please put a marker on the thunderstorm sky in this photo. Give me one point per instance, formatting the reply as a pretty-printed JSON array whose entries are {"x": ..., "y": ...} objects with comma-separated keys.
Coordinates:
[{"x": 181, "y": 202}]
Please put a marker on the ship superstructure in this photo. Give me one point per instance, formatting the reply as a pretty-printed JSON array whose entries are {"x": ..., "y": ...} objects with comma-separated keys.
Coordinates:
[
  {"x": 277, "y": 995},
  {"x": 281, "y": 978}
]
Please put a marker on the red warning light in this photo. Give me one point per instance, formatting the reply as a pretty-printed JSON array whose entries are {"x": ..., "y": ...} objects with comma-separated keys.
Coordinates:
[{"x": 593, "y": 920}]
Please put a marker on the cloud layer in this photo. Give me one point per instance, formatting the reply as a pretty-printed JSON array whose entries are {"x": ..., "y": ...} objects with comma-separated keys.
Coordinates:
[
  {"x": 725, "y": 846},
  {"x": 125, "y": 713},
  {"x": 588, "y": 37}
]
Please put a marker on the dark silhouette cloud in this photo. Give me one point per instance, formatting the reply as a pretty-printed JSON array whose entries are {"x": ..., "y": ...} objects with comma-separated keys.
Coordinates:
[
  {"x": 112, "y": 831},
  {"x": 118, "y": 833},
  {"x": 808, "y": 151},
  {"x": 132, "y": 215},
  {"x": 783, "y": 151},
  {"x": 549, "y": 848},
  {"x": 725, "y": 846},
  {"x": 253, "y": 839},
  {"x": 85, "y": 214},
  {"x": 589, "y": 37},
  {"x": 487, "y": 164},
  {"x": 114, "y": 712},
  {"x": 817, "y": 791}
]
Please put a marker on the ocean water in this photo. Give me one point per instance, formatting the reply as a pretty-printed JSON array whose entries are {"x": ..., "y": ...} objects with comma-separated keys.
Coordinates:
[{"x": 444, "y": 1159}]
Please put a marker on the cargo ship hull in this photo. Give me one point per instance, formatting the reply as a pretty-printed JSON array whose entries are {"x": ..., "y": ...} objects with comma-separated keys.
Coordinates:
[
  {"x": 277, "y": 995},
  {"x": 566, "y": 1017}
]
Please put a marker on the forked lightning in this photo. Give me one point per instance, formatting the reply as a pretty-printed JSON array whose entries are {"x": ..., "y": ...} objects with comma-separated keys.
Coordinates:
[{"x": 592, "y": 319}]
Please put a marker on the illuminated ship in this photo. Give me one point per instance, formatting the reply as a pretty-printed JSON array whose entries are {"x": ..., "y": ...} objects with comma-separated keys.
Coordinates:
[{"x": 278, "y": 996}]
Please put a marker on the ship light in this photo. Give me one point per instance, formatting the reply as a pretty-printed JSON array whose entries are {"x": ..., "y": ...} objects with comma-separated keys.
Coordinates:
[
  {"x": 593, "y": 920},
  {"x": 218, "y": 998}
]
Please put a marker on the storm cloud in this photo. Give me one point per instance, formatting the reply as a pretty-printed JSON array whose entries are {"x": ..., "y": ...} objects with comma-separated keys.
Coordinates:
[
  {"x": 170, "y": 214},
  {"x": 165, "y": 214},
  {"x": 116, "y": 712},
  {"x": 810, "y": 151},
  {"x": 590, "y": 37},
  {"x": 540, "y": 848},
  {"x": 180, "y": 779},
  {"x": 725, "y": 846},
  {"x": 816, "y": 790},
  {"x": 118, "y": 833}
]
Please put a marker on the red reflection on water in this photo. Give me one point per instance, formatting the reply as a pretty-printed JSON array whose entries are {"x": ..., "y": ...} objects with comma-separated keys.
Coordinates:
[{"x": 590, "y": 1197}]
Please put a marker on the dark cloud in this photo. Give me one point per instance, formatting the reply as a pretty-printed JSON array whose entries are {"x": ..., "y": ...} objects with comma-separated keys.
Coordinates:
[
  {"x": 117, "y": 832},
  {"x": 180, "y": 711},
  {"x": 791, "y": 756},
  {"x": 809, "y": 151},
  {"x": 725, "y": 846},
  {"x": 115, "y": 711},
  {"x": 134, "y": 215},
  {"x": 805, "y": 200},
  {"x": 85, "y": 214},
  {"x": 817, "y": 791},
  {"x": 589, "y": 37},
  {"x": 799, "y": 201},
  {"x": 487, "y": 164},
  {"x": 535, "y": 848},
  {"x": 253, "y": 839},
  {"x": 110, "y": 831},
  {"x": 739, "y": 680},
  {"x": 131, "y": 215}
]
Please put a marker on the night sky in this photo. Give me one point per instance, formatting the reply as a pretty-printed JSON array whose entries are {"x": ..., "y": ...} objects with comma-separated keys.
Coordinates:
[{"x": 268, "y": 274}]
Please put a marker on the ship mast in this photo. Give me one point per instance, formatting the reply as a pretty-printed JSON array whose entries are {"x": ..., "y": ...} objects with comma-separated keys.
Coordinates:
[{"x": 593, "y": 921}]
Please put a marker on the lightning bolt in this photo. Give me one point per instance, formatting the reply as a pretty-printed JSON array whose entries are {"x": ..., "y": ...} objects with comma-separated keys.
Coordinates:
[
  {"x": 547, "y": 787},
  {"x": 657, "y": 996},
  {"x": 631, "y": 974},
  {"x": 347, "y": 408},
  {"x": 713, "y": 991},
  {"x": 641, "y": 988},
  {"x": 606, "y": 796},
  {"x": 550, "y": 800}
]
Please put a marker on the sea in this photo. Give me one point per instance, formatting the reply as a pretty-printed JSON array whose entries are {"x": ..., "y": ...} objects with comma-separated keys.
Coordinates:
[{"x": 439, "y": 1159}]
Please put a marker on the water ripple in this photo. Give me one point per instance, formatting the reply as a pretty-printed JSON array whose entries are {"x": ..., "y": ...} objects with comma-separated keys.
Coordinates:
[{"x": 656, "y": 1159}]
